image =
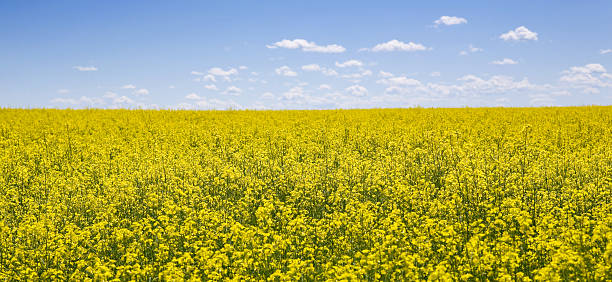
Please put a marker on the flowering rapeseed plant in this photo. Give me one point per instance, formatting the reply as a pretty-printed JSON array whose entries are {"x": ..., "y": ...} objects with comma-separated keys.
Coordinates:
[{"x": 414, "y": 194}]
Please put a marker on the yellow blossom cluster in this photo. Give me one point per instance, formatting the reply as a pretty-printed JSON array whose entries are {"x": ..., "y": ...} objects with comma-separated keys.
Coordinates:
[{"x": 395, "y": 194}]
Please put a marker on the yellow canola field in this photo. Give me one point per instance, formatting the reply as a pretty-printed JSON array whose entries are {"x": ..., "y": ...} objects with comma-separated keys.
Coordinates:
[{"x": 397, "y": 194}]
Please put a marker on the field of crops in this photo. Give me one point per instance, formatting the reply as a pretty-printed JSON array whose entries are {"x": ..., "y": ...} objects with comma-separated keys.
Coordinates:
[{"x": 509, "y": 194}]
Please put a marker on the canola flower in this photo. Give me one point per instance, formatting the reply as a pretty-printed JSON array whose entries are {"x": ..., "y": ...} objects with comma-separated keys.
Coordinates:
[{"x": 397, "y": 194}]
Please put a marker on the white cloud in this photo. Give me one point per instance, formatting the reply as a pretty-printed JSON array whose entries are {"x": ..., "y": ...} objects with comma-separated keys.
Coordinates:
[
  {"x": 357, "y": 90},
  {"x": 220, "y": 72},
  {"x": 518, "y": 34},
  {"x": 467, "y": 86},
  {"x": 307, "y": 46},
  {"x": 471, "y": 49},
  {"x": 267, "y": 95},
  {"x": 591, "y": 90},
  {"x": 204, "y": 103},
  {"x": 232, "y": 90},
  {"x": 109, "y": 95},
  {"x": 588, "y": 68},
  {"x": 128, "y": 86},
  {"x": 605, "y": 51},
  {"x": 495, "y": 84},
  {"x": 474, "y": 49},
  {"x": 197, "y": 73},
  {"x": 88, "y": 68},
  {"x": 123, "y": 100},
  {"x": 384, "y": 74},
  {"x": 210, "y": 77},
  {"x": 588, "y": 75},
  {"x": 285, "y": 71},
  {"x": 64, "y": 101},
  {"x": 505, "y": 61},
  {"x": 349, "y": 63},
  {"x": 357, "y": 75},
  {"x": 142, "y": 92},
  {"x": 323, "y": 70},
  {"x": 311, "y": 67},
  {"x": 193, "y": 96},
  {"x": 171, "y": 87},
  {"x": 447, "y": 20},
  {"x": 63, "y": 91},
  {"x": 329, "y": 72},
  {"x": 396, "y": 45},
  {"x": 83, "y": 101},
  {"x": 541, "y": 100},
  {"x": 294, "y": 93},
  {"x": 242, "y": 67},
  {"x": 211, "y": 87},
  {"x": 399, "y": 81},
  {"x": 324, "y": 87},
  {"x": 435, "y": 74}
]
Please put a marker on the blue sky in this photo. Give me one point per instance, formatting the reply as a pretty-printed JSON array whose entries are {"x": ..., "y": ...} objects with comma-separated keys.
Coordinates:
[{"x": 304, "y": 54}]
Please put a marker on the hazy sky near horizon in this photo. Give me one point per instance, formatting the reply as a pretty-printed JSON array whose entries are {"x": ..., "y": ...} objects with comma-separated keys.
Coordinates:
[{"x": 304, "y": 54}]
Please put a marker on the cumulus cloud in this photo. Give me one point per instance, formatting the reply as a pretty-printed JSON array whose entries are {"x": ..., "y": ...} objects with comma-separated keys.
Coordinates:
[
  {"x": 396, "y": 45},
  {"x": 108, "y": 100},
  {"x": 589, "y": 75},
  {"x": 448, "y": 20},
  {"x": 267, "y": 95},
  {"x": 141, "y": 92},
  {"x": 83, "y": 101},
  {"x": 311, "y": 67},
  {"x": 384, "y": 74},
  {"x": 232, "y": 90},
  {"x": 211, "y": 87},
  {"x": 357, "y": 90},
  {"x": 204, "y": 103},
  {"x": 214, "y": 73},
  {"x": 285, "y": 71},
  {"x": 541, "y": 99},
  {"x": 220, "y": 72},
  {"x": 357, "y": 75},
  {"x": 128, "y": 86},
  {"x": 307, "y": 46},
  {"x": 88, "y": 68},
  {"x": 466, "y": 86},
  {"x": 495, "y": 84},
  {"x": 605, "y": 51},
  {"x": 193, "y": 96},
  {"x": 471, "y": 49},
  {"x": 323, "y": 70},
  {"x": 505, "y": 61},
  {"x": 122, "y": 100},
  {"x": 521, "y": 33},
  {"x": 294, "y": 93},
  {"x": 349, "y": 63},
  {"x": 324, "y": 87},
  {"x": 329, "y": 72},
  {"x": 210, "y": 77},
  {"x": 588, "y": 68},
  {"x": 399, "y": 81}
]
